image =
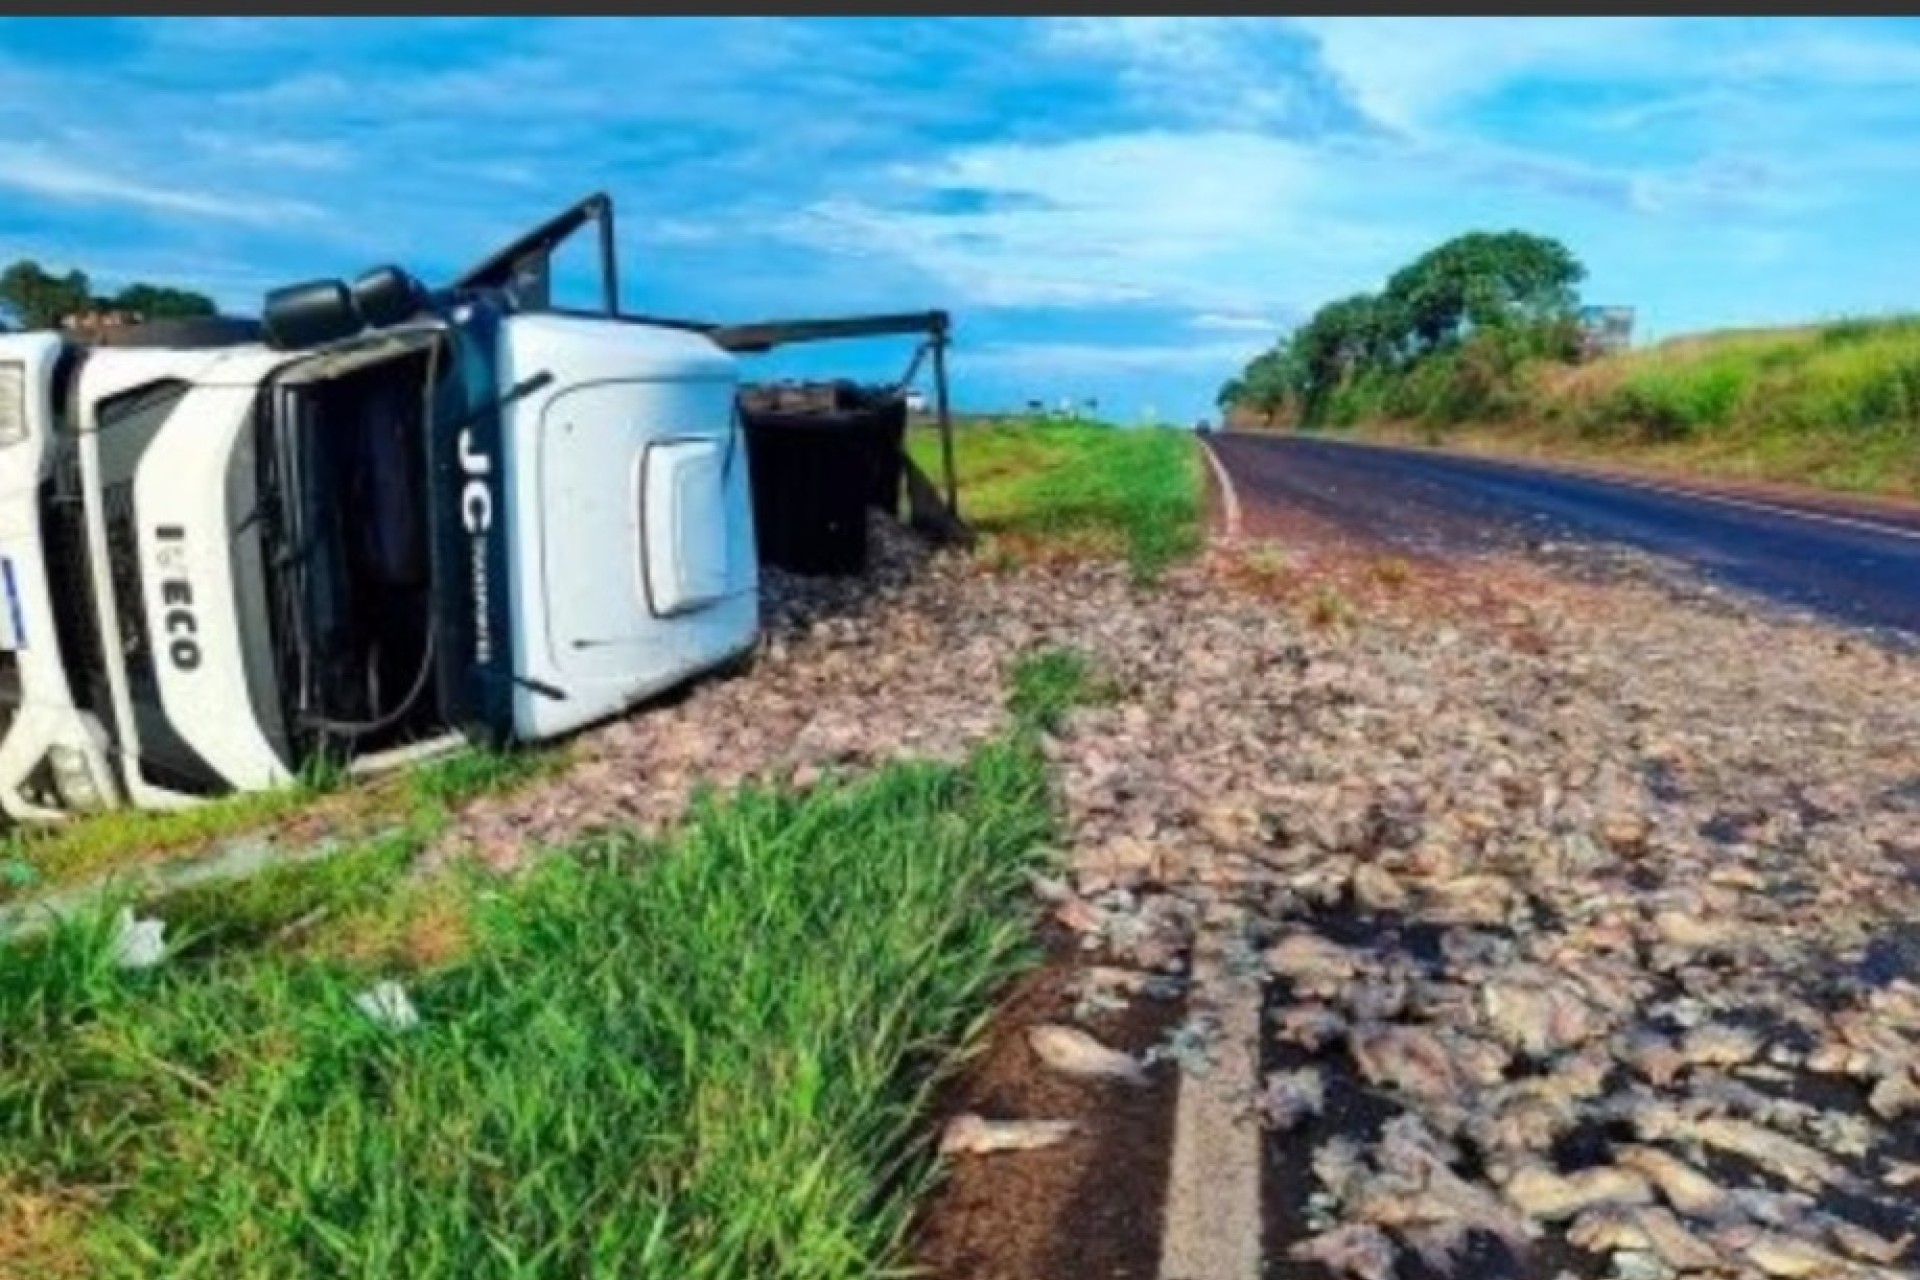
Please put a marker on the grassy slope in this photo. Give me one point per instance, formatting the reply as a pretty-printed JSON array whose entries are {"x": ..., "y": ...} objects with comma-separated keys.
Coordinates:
[
  {"x": 1834, "y": 405},
  {"x": 1049, "y": 488}
]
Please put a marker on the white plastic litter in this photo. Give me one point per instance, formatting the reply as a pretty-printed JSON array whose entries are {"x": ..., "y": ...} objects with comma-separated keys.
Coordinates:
[
  {"x": 137, "y": 943},
  {"x": 387, "y": 1004}
]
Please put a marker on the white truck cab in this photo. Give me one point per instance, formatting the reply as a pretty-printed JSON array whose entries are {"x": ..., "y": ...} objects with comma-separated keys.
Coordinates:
[{"x": 373, "y": 524}]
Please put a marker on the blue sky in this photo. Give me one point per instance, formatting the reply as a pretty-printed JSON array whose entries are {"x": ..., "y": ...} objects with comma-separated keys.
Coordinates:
[{"x": 1115, "y": 208}]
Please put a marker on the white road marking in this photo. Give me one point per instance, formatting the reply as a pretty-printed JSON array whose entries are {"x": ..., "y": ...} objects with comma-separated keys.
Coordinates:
[
  {"x": 1229, "y": 499},
  {"x": 1211, "y": 1228}
]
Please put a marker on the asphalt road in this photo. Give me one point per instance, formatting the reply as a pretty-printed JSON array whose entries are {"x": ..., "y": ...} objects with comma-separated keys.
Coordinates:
[{"x": 1857, "y": 563}]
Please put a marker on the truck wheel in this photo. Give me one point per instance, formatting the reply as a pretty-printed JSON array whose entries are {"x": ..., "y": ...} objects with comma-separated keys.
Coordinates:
[{"x": 183, "y": 333}]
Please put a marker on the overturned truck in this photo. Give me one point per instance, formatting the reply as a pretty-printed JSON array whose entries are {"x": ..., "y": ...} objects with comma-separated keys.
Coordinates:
[{"x": 377, "y": 521}]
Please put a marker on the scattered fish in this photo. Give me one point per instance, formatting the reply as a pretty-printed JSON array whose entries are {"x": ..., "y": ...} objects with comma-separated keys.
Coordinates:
[
  {"x": 1355, "y": 1249},
  {"x": 1312, "y": 1026},
  {"x": 1073, "y": 1052},
  {"x": 1679, "y": 1183},
  {"x": 1865, "y": 1244},
  {"x": 1717, "y": 1044},
  {"x": 386, "y": 1003},
  {"x": 138, "y": 943},
  {"x": 971, "y": 1134},
  {"x": 1292, "y": 1096},
  {"x": 1641, "y": 1229},
  {"x": 1411, "y": 1060},
  {"x": 1541, "y": 1193}
]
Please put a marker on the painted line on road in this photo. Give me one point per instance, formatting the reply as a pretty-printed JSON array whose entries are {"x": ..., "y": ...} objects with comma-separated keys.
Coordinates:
[
  {"x": 1229, "y": 498},
  {"x": 1212, "y": 1224},
  {"x": 1646, "y": 486}
]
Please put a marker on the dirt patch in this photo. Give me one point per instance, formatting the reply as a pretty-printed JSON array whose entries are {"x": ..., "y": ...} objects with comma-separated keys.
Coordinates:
[
  {"x": 1087, "y": 1208},
  {"x": 40, "y": 1233}
]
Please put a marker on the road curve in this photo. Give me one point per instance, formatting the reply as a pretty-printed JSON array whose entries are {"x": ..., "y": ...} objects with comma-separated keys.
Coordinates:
[{"x": 1857, "y": 563}]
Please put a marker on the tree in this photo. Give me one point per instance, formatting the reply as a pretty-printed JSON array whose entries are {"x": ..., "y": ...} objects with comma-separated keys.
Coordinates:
[
  {"x": 1512, "y": 293},
  {"x": 1483, "y": 280},
  {"x": 1268, "y": 382},
  {"x": 157, "y": 302},
  {"x": 1355, "y": 335},
  {"x": 36, "y": 299}
]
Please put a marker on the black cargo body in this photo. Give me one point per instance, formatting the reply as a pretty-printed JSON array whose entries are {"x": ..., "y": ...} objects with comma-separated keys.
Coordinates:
[{"x": 819, "y": 455}]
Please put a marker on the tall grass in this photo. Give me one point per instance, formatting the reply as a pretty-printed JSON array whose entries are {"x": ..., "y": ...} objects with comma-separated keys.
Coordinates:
[
  {"x": 698, "y": 1058},
  {"x": 1836, "y": 404},
  {"x": 1076, "y": 488}
]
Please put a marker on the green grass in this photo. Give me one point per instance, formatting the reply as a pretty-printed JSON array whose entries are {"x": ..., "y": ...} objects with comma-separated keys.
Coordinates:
[
  {"x": 1835, "y": 405},
  {"x": 1040, "y": 488},
  {"x": 42, "y": 857},
  {"x": 700, "y": 1058},
  {"x": 445, "y": 783},
  {"x": 36, "y": 859},
  {"x": 1049, "y": 682}
]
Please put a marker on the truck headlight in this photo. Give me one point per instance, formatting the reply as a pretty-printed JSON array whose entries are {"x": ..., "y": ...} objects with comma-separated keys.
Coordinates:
[
  {"x": 13, "y": 403},
  {"x": 73, "y": 777}
]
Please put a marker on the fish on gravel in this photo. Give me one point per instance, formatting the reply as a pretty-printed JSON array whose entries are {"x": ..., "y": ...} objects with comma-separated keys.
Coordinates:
[
  {"x": 1900, "y": 1173},
  {"x": 1073, "y": 1052},
  {"x": 1410, "y": 1059},
  {"x": 1292, "y": 1096},
  {"x": 1643, "y": 1229},
  {"x": 1533, "y": 1013},
  {"x": 1688, "y": 932},
  {"x": 1520, "y": 1121},
  {"x": 1413, "y": 1187},
  {"x": 1717, "y": 1044},
  {"x": 1866, "y": 1245},
  {"x": 1679, "y": 1183},
  {"x": 1793, "y": 1162},
  {"x": 1338, "y": 1165},
  {"x": 1547, "y": 1196},
  {"x": 1355, "y": 1249},
  {"x": 1315, "y": 965},
  {"x": 1312, "y": 1025},
  {"x": 1651, "y": 1055},
  {"x": 1787, "y": 1257},
  {"x": 1467, "y": 900},
  {"x": 1896, "y": 1094},
  {"x": 972, "y": 1134}
]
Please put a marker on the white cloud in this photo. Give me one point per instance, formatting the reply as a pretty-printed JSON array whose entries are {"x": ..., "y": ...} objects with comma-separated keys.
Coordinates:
[
  {"x": 282, "y": 153},
  {"x": 37, "y": 172},
  {"x": 1205, "y": 220},
  {"x": 302, "y": 90},
  {"x": 1210, "y": 69},
  {"x": 1218, "y": 322},
  {"x": 1408, "y": 72},
  {"x": 1088, "y": 359}
]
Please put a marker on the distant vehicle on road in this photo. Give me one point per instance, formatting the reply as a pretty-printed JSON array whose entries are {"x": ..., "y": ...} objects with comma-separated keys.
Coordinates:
[{"x": 1203, "y": 427}]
